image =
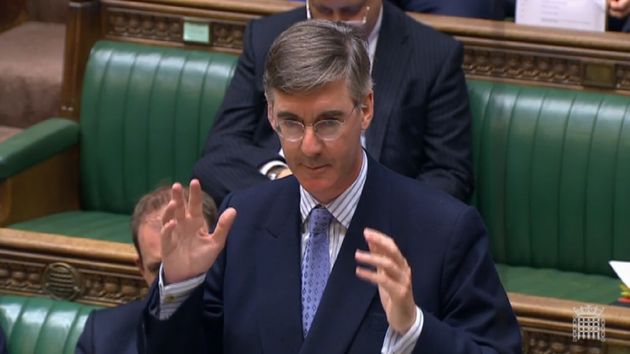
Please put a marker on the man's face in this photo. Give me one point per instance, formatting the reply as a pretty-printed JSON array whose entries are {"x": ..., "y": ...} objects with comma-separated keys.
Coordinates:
[
  {"x": 325, "y": 168},
  {"x": 355, "y": 11},
  {"x": 150, "y": 246}
]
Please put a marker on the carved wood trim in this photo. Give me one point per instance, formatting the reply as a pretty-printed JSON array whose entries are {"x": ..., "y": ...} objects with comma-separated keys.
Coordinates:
[
  {"x": 167, "y": 29},
  {"x": 69, "y": 268},
  {"x": 547, "y": 326}
]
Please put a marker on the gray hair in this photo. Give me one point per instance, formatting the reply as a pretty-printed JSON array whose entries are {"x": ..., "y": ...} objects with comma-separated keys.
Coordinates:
[{"x": 313, "y": 53}]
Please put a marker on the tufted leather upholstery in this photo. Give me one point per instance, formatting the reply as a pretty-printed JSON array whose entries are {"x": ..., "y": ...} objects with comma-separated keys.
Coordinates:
[
  {"x": 552, "y": 170},
  {"x": 36, "y": 325},
  {"x": 145, "y": 114}
]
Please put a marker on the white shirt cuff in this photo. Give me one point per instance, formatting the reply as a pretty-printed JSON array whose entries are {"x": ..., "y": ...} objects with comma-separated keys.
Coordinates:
[
  {"x": 271, "y": 164},
  {"x": 395, "y": 343},
  {"x": 173, "y": 295}
]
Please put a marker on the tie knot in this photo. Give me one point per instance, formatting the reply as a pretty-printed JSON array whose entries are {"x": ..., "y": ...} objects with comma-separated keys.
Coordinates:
[{"x": 320, "y": 219}]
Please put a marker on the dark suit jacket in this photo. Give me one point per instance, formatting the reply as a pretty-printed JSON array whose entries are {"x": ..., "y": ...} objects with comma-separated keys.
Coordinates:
[
  {"x": 250, "y": 302},
  {"x": 3, "y": 342},
  {"x": 421, "y": 126},
  {"x": 112, "y": 330},
  {"x": 489, "y": 9}
]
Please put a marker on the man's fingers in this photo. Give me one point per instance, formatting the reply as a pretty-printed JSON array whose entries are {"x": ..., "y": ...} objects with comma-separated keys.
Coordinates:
[
  {"x": 380, "y": 243},
  {"x": 167, "y": 234},
  {"x": 195, "y": 200},
  {"x": 177, "y": 195},
  {"x": 224, "y": 225},
  {"x": 384, "y": 264},
  {"x": 169, "y": 212},
  {"x": 380, "y": 280}
]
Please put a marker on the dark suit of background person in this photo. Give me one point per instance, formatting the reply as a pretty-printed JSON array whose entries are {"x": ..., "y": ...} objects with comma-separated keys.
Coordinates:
[
  {"x": 252, "y": 293},
  {"x": 488, "y": 9},
  {"x": 112, "y": 330},
  {"x": 3, "y": 342},
  {"x": 422, "y": 122}
]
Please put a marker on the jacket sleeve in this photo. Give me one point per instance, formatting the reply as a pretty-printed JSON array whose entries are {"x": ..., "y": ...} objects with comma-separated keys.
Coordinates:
[
  {"x": 448, "y": 138},
  {"x": 85, "y": 345},
  {"x": 475, "y": 314}
]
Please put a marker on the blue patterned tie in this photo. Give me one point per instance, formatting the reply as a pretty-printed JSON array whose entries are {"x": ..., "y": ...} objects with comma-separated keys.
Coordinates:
[{"x": 315, "y": 265}]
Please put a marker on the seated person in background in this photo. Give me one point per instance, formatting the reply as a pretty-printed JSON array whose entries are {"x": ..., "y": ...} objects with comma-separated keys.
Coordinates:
[
  {"x": 421, "y": 126},
  {"x": 115, "y": 330},
  {"x": 3, "y": 342},
  {"x": 618, "y": 10},
  {"x": 302, "y": 268},
  {"x": 488, "y": 9}
]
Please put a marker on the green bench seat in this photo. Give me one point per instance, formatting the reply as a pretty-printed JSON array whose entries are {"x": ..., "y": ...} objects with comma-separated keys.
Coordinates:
[
  {"x": 552, "y": 172},
  {"x": 35, "y": 325}
]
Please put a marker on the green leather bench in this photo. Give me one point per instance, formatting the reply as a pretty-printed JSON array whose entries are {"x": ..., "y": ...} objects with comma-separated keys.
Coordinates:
[
  {"x": 552, "y": 171},
  {"x": 145, "y": 114},
  {"x": 35, "y": 325}
]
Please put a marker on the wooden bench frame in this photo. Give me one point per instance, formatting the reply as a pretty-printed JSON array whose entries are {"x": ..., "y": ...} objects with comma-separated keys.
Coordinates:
[{"x": 69, "y": 268}]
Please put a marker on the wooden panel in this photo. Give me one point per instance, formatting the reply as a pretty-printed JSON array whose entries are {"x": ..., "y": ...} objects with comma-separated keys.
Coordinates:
[
  {"x": 69, "y": 268},
  {"x": 12, "y": 13},
  {"x": 547, "y": 326},
  {"x": 82, "y": 31},
  {"x": 57, "y": 178}
]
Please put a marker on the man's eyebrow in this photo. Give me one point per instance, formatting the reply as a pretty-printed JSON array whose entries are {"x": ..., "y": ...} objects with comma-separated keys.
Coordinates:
[
  {"x": 335, "y": 113},
  {"x": 286, "y": 115},
  {"x": 332, "y": 113}
]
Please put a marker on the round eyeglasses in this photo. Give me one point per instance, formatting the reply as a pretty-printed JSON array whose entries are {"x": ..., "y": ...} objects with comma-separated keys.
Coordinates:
[{"x": 325, "y": 129}]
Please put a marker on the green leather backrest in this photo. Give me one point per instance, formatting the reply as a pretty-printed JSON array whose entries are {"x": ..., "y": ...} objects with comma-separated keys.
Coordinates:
[
  {"x": 145, "y": 114},
  {"x": 552, "y": 172},
  {"x": 35, "y": 325}
]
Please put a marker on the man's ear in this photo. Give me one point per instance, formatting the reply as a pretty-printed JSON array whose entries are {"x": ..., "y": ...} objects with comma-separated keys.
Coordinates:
[
  {"x": 367, "y": 108},
  {"x": 270, "y": 114}
]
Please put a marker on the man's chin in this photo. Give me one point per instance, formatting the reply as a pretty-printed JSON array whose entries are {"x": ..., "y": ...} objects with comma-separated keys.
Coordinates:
[{"x": 319, "y": 187}]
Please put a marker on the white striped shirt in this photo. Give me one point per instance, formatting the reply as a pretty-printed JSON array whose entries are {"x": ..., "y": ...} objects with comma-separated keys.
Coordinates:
[{"x": 342, "y": 210}]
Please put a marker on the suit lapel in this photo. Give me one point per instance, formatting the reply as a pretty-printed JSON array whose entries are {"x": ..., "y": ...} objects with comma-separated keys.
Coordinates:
[
  {"x": 388, "y": 71},
  {"x": 278, "y": 274},
  {"x": 346, "y": 298}
]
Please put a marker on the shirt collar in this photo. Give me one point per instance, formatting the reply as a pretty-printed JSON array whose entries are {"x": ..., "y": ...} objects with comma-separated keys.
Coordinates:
[{"x": 342, "y": 208}]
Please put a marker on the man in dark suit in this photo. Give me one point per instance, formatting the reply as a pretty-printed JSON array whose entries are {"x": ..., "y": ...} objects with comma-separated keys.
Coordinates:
[
  {"x": 488, "y": 9},
  {"x": 345, "y": 256},
  {"x": 115, "y": 330},
  {"x": 421, "y": 126}
]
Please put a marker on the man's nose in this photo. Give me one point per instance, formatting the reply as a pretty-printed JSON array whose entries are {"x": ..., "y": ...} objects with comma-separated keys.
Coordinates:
[{"x": 311, "y": 144}]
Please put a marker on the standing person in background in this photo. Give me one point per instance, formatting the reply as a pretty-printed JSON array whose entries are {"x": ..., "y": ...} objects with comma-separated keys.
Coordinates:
[
  {"x": 114, "y": 330},
  {"x": 421, "y": 127},
  {"x": 619, "y": 11}
]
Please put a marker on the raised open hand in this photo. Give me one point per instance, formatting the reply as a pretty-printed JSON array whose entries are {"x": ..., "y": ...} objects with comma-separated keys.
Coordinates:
[
  {"x": 188, "y": 249},
  {"x": 392, "y": 275}
]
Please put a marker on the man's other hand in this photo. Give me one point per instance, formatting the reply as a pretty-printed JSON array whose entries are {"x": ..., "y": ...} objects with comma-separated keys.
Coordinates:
[{"x": 392, "y": 274}]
